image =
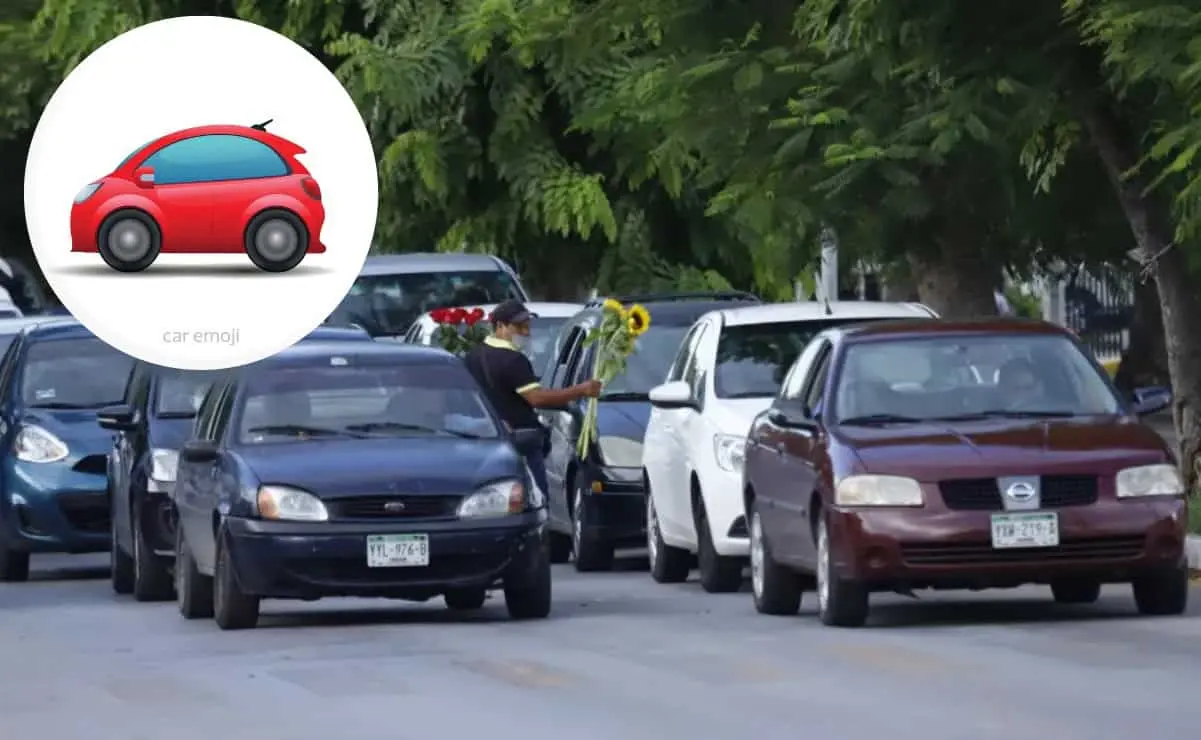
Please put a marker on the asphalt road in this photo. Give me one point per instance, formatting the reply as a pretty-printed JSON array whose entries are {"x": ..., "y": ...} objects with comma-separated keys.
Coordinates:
[{"x": 621, "y": 658}]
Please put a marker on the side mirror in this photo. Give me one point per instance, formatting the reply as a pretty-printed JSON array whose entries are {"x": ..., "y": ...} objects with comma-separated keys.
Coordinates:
[
  {"x": 1151, "y": 400},
  {"x": 791, "y": 419},
  {"x": 144, "y": 177},
  {"x": 528, "y": 441},
  {"x": 674, "y": 395},
  {"x": 117, "y": 418},
  {"x": 199, "y": 451}
]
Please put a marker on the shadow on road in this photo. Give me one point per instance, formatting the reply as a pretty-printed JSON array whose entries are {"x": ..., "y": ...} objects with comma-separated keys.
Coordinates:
[{"x": 73, "y": 573}]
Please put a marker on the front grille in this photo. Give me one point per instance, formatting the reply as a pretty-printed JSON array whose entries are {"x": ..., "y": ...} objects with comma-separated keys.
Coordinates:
[
  {"x": 86, "y": 512},
  {"x": 394, "y": 507},
  {"x": 982, "y": 553},
  {"x": 94, "y": 464},
  {"x": 356, "y": 571},
  {"x": 982, "y": 494}
]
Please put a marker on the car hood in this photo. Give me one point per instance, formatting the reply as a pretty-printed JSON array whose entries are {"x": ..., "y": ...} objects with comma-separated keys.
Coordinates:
[
  {"x": 77, "y": 428},
  {"x": 938, "y": 451},
  {"x": 358, "y": 467},
  {"x": 623, "y": 419}
]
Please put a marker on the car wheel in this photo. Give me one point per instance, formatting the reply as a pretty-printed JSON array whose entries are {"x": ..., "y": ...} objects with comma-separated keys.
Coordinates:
[
  {"x": 530, "y": 597},
  {"x": 559, "y": 545},
  {"x": 465, "y": 599},
  {"x": 233, "y": 608},
  {"x": 720, "y": 574},
  {"x": 592, "y": 553},
  {"x": 1162, "y": 593},
  {"x": 777, "y": 590},
  {"x": 129, "y": 240},
  {"x": 840, "y": 603},
  {"x": 276, "y": 240},
  {"x": 1076, "y": 592},
  {"x": 121, "y": 569},
  {"x": 14, "y": 565},
  {"x": 668, "y": 564},
  {"x": 193, "y": 590},
  {"x": 151, "y": 577}
]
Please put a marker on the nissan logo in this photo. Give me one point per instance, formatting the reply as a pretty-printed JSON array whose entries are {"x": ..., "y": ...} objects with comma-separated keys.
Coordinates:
[
  {"x": 394, "y": 507},
  {"x": 1020, "y": 491}
]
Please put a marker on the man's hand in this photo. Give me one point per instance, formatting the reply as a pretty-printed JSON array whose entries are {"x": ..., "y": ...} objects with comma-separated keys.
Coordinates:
[{"x": 590, "y": 388}]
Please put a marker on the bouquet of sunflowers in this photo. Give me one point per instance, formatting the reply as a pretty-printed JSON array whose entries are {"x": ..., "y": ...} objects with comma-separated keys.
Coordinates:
[
  {"x": 459, "y": 329},
  {"x": 614, "y": 339}
]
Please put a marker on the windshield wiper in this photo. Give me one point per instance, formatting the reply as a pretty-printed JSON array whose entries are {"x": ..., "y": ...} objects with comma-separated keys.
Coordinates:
[
  {"x": 62, "y": 406},
  {"x": 1007, "y": 414},
  {"x": 623, "y": 396},
  {"x": 396, "y": 426},
  {"x": 869, "y": 419},
  {"x": 751, "y": 394},
  {"x": 176, "y": 415},
  {"x": 296, "y": 430}
]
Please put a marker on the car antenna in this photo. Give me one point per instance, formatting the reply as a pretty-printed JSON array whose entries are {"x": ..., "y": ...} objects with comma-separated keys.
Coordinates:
[{"x": 262, "y": 126}]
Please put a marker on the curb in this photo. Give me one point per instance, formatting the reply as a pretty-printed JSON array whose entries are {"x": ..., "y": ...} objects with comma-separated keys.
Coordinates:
[{"x": 1192, "y": 550}]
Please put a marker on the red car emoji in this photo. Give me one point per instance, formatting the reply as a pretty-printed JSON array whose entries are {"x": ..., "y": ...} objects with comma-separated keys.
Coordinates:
[{"x": 206, "y": 190}]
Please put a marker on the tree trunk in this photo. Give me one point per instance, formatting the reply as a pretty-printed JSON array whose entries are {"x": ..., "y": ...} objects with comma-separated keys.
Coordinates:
[
  {"x": 954, "y": 278},
  {"x": 1178, "y": 300},
  {"x": 1145, "y": 361}
]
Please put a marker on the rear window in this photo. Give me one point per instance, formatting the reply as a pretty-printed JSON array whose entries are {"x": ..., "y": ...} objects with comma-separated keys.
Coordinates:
[{"x": 389, "y": 304}]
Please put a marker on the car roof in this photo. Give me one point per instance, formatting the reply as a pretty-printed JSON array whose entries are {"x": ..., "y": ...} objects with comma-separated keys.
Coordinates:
[
  {"x": 56, "y": 328},
  {"x": 768, "y": 313},
  {"x": 13, "y": 326},
  {"x": 674, "y": 313},
  {"x": 418, "y": 262},
  {"x": 318, "y": 352},
  {"x": 352, "y": 333},
  {"x": 935, "y": 327}
]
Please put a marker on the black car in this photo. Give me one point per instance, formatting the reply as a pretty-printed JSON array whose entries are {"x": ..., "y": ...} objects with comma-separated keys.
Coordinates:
[
  {"x": 598, "y": 504},
  {"x": 355, "y": 469},
  {"x": 151, "y": 424}
]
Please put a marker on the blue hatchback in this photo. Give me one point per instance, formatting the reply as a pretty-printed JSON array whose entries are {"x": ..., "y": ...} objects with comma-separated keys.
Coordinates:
[{"x": 54, "y": 377}]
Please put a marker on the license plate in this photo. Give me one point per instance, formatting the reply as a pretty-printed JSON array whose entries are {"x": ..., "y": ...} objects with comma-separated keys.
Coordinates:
[
  {"x": 398, "y": 550},
  {"x": 1039, "y": 529}
]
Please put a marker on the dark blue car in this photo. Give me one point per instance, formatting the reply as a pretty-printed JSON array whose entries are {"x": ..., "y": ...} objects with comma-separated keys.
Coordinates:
[
  {"x": 151, "y": 423},
  {"x": 54, "y": 377},
  {"x": 355, "y": 469}
]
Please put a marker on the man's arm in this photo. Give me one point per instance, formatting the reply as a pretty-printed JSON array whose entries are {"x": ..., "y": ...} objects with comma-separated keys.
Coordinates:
[{"x": 526, "y": 383}]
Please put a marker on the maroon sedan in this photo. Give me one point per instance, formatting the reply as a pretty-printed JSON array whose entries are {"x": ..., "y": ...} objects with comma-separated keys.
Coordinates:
[{"x": 950, "y": 455}]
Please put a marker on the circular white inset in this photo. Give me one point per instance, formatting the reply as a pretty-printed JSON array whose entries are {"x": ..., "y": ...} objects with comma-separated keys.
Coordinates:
[{"x": 217, "y": 243}]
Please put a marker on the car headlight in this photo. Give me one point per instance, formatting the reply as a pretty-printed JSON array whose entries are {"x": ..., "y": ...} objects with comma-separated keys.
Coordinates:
[
  {"x": 290, "y": 504},
  {"x": 620, "y": 452},
  {"x": 1149, "y": 480},
  {"x": 730, "y": 451},
  {"x": 495, "y": 499},
  {"x": 163, "y": 464},
  {"x": 878, "y": 490},
  {"x": 36, "y": 445},
  {"x": 88, "y": 191}
]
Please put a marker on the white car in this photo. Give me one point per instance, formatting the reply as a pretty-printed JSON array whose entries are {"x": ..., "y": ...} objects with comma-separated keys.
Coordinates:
[
  {"x": 728, "y": 369},
  {"x": 544, "y": 328}
]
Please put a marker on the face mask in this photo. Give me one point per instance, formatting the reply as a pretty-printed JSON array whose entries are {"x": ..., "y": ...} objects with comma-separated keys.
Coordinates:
[{"x": 520, "y": 341}]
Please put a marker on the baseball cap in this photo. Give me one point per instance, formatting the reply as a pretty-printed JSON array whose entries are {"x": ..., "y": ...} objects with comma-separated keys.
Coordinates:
[{"x": 511, "y": 311}]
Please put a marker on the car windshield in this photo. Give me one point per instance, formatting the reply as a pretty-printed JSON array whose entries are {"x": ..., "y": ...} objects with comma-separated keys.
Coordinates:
[
  {"x": 180, "y": 392},
  {"x": 541, "y": 344},
  {"x": 6, "y": 341},
  {"x": 647, "y": 367},
  {"x": 419, "y": 400},
  {"x": 389, "y": 304},
  {"x": 74, "y": 373},
  {"x": 752, "y": 359},
  {"x": 967, "y": 377}
]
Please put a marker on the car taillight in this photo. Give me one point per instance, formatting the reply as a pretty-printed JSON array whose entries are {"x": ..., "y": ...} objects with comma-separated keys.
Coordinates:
[{"x": 309, "y": 185}]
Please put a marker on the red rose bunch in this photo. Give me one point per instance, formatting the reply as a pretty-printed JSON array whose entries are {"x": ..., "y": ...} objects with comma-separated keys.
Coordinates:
[{"x": 458, "y": 328}]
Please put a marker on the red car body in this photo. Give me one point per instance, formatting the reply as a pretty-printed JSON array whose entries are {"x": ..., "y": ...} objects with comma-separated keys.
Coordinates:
[{"x": 200, "y": 217}]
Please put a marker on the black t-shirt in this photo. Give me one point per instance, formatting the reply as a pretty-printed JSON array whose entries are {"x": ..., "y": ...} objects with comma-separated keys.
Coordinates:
[{"x": 505, "y": 373}]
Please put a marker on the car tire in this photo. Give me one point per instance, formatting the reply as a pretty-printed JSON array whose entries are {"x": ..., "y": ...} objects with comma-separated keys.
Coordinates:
[
  {"x": 1076, "y": 591},
  {"x": 129, "y": 240},
  {"x": 776, "y": 589},
  {"x": 233, "y": 608},
  {"x": 559, "y": 546},
  {"x": 276, "y": 240},
  {"x": 121, "y": 566},
  {"x": 193, "y": 590},
  {"x": 720, "y": 574},
  {"x": 14, "y": 565},
  {"x": 840, "y": 602},
  {"x": 1163, "y": 593},
  {"x": 465, "y": 599},
  {"x": 151, "y": 577},
  {"x": 667, "y": 564},
  {"x": 592, "y": 554},
  {"x": 530, "y": 597}
]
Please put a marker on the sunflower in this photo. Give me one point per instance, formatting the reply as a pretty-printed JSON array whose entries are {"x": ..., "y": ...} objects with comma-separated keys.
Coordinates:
[
  {"x": 612, "y": 306},
  {"x": 638, "y": 320}
]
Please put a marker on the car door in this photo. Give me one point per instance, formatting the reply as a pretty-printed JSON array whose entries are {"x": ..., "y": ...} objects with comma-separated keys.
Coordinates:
[
  {"x": 8, "y": 399},
  {"x": 677, "y": 516},
  {"x": 561, "y": 426},
  {"x": 193, "y": 478},
  {"x": 659, "y": 448},
  {"x": 182, "y": 171},
  {"x": 124, "y": 454},
  {"x": 215, "y": 481},
  {"x": 798, "y": 463}
]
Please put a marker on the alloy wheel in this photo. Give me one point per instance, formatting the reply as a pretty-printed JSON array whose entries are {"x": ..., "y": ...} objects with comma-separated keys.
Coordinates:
[
  {"x": 823, "y": 567},
  {"x": 757, "y": 554},
  {"x": 652, "y": 530},
  {"x": 577, "y": 520},
  {"x": 130, "y": 240}
]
